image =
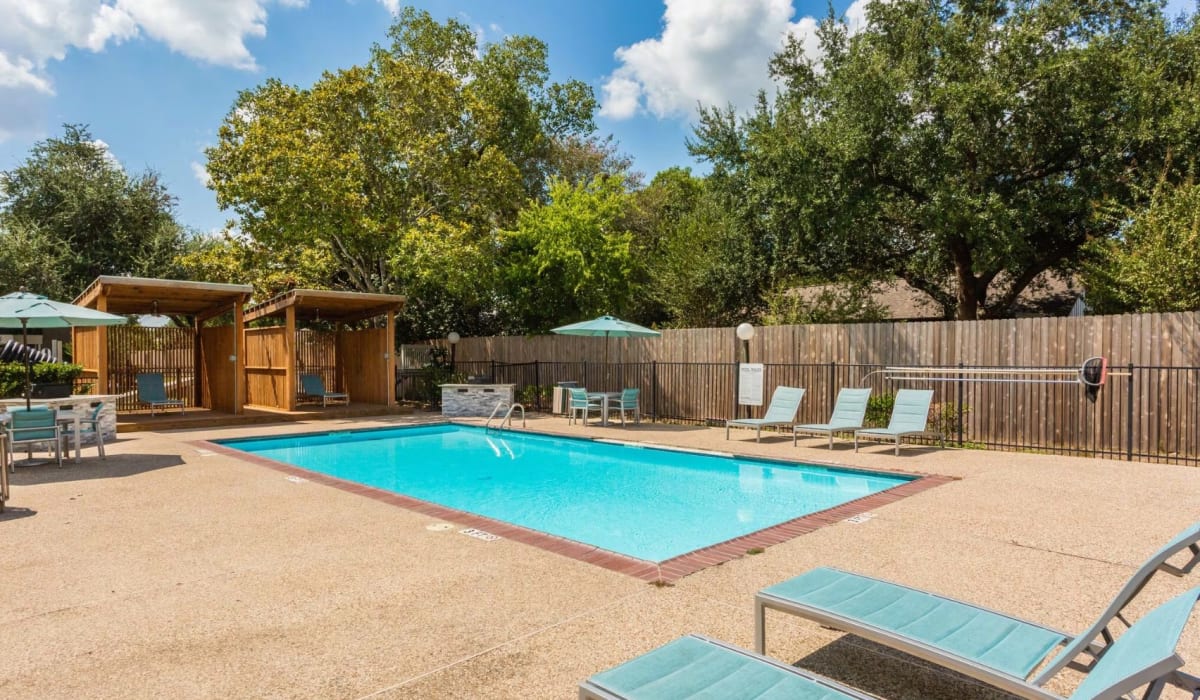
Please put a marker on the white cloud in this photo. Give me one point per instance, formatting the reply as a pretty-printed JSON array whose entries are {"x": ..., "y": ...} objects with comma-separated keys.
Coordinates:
[
  {"x": 710, "y": 52},
  {"x": 201, "y": 174},
  {"x": 393, "y": 6},
  {"x": 34, "y": 33},
  {"x": 107, "y": 153}
]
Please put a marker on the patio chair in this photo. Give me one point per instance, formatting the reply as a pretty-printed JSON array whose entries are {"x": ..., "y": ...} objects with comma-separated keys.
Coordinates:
[
  {"x": 693, "y": 667},
  {"x": 910, "y": 413},
  {"x": 782, "y": 411},
  {"x": 580, "y": 403},
  {"x": 36, "y": 426},
  {"x": 995, "y": 648},
  {"x": 628, "y": 401},
  {"x": 152, "y": 390},
  {"x": 313, "y": 387},
  {"x": 848, "y": 413},
  {"x": 89, "y": 424}
]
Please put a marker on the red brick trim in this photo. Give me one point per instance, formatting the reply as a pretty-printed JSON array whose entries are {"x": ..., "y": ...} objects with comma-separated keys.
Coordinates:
[{"x": 668, "y": 571}]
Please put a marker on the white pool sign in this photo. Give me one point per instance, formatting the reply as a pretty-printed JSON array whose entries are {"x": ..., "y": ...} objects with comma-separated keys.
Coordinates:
[{"x": 750, "y": 384}]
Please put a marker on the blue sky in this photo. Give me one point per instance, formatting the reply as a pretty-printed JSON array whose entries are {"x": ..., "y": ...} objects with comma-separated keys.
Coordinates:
[{"x": 154, "y": 78}]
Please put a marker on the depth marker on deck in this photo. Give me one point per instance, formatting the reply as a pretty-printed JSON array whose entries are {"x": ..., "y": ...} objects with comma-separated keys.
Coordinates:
[
  {"x": 860, "y": 518},
  {"x": 480, "y": 534}
]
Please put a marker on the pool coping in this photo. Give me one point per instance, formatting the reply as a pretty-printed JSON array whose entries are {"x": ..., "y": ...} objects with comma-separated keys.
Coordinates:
[{"x": 665, "y": 572}]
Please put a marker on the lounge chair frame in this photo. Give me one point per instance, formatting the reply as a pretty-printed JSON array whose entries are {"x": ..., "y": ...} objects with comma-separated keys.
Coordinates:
[
  {"x": 844, "y": 419},
  {"x": 759, "y": 423},
  {"x": 159, "y": 400},
  {"x": 308, "y": 390},
  {"x": 893, "y": 433},
  {"x": 590, "y": 690},
  {"x": 1060, "y": 657}
]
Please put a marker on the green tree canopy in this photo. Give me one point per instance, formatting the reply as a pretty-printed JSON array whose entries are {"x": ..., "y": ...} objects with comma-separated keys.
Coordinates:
[
  {"x": 70, "y": 212},
  {"x": 403, "y": 169},
  {"x": 1153, "y": 263},
  {"x": 962, "y": 146},
  {"x": 571, "y": 258}
]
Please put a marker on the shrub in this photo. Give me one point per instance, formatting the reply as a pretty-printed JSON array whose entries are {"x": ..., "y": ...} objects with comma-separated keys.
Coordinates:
[
  {"x": 879, "y": 410},
  {"x": 12, "y": 375}
]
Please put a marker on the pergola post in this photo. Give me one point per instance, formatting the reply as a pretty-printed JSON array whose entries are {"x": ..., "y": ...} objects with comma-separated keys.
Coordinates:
[
  {"x": 339, "y": 367},
  {"x": 199, "y": 370},
  {"x": 238, "y": 360},
  {"x": 389, "y": 357},
  {"x": 102, "y": 383},
  {"x": 289, "y": 349}
]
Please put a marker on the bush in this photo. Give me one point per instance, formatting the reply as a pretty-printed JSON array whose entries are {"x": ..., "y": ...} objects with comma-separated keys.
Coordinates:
[
  {"x": 946, "y": 419},
  {"x": 879, "y": 410},
  {"x": 530, "y": 394},
  {"x": 12, "y": 375}
]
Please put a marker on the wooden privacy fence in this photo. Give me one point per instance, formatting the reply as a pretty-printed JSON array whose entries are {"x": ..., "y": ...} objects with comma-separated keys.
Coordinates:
[
  {"x": 135, "y": 349},
  {"x": 1152, "y": 414}
]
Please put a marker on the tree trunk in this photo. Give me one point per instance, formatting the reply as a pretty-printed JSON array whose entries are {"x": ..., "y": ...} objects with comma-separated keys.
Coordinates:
[{"x": 964, "y": 277}]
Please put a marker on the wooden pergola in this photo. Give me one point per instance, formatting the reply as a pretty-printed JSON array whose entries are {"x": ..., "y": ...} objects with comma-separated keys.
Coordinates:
[
  {"x": 363, "y": 361},
  {"x": 218, "y": 360}
]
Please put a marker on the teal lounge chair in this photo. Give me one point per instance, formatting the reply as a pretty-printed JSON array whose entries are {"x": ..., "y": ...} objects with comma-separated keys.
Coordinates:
[
  {"x": 313, "y": 387},
  {"x": 910, "y": 413},
  {"x": 697, "y": 667},
  {"x": 151, "y": 390},
  {"x": 995, "y": 648},
  {"x": 782, "y": 411},
  {"x": 848, "y": 413}
]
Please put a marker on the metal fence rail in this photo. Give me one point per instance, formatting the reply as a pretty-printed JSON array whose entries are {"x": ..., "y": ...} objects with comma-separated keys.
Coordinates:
[{"x": 1151, "y": 414}]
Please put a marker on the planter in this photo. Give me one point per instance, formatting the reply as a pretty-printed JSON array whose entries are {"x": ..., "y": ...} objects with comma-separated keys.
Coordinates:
[{"x": 56, "y": 390}]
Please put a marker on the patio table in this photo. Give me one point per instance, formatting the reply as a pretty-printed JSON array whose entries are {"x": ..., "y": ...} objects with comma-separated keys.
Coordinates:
[
  {"x": 604, "y": 397},
  {"x": 68, "y": 411}
]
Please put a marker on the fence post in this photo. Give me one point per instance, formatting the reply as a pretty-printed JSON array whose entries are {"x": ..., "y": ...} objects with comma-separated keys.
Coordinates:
[
  {"x": 653, "y": 391},
  {"x": 737, "y": 386},
  {"x": 832, "y": 384},
  {"x": 958, "y": 416},
  {"x": 537, "y": 384},
  {"x": 1129, "y": 414},
  {"x": 585, "y": 373},
  {"x": 493, "y": 372}
]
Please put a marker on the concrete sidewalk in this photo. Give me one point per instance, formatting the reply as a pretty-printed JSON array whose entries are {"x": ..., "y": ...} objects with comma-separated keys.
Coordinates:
[{"x": 170, "y": 571}]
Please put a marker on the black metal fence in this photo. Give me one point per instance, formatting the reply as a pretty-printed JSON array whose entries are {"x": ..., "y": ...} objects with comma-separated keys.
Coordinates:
[{"x": 1145, "y": 413}]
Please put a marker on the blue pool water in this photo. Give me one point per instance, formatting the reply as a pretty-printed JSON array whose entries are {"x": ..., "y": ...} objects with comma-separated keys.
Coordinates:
[{"x": 647, "y": 503}]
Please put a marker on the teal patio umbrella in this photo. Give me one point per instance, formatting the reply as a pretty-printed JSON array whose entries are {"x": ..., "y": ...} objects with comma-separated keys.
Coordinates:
[
  {"x": 606, "y": 326},
  {"x": 36, "y": 311}
]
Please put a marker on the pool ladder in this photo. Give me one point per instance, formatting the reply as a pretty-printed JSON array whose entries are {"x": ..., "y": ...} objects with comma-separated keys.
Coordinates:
[{"x": 507, "y": 415}]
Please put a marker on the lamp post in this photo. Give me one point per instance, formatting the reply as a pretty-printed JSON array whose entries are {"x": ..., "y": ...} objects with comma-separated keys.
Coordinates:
[
  {"x": 745, "y": 332},
  {"x": 452, "y": 337}
]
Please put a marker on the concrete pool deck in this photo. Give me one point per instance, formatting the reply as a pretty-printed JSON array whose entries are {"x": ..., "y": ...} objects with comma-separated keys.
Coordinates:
[{"x": 172, "y": 571}]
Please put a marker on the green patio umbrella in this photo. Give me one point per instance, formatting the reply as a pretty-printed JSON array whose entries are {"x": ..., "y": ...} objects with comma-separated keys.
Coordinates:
[
  {"x": 36, "y": 311},
  {"x": 606, "y": 326}
]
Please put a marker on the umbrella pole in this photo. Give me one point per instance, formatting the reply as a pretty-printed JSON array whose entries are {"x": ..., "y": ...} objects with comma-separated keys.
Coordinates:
[{"x": 28, "y": 364}]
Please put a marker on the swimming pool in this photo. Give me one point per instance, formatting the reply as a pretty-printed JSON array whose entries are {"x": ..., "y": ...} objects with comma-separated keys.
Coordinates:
[{"x": 651, "y": 504}]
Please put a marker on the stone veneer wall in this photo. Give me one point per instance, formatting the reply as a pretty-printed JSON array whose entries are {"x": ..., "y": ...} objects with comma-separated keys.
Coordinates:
[{"x": 474, "y": 400}]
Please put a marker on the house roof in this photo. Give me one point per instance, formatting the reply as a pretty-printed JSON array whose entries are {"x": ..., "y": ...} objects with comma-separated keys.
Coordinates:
[{"x": 1047, "y": 295}]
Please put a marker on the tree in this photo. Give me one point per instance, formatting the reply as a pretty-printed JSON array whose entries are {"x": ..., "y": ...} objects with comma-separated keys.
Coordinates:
[
  {"x": 73, "y": 208},
  {"x": 403, "y": 169},
  {"x": 702, "y": 270},
  {"x": 961, "y": 146},
  {"x": 569, "y": 259},
  {"x": 1153, "y": 263}
]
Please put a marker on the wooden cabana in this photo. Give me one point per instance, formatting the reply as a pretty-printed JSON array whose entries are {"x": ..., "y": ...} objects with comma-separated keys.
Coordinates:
[
  {"x": 356, "y": 362},
  {"x": 203, "y": 365}
]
